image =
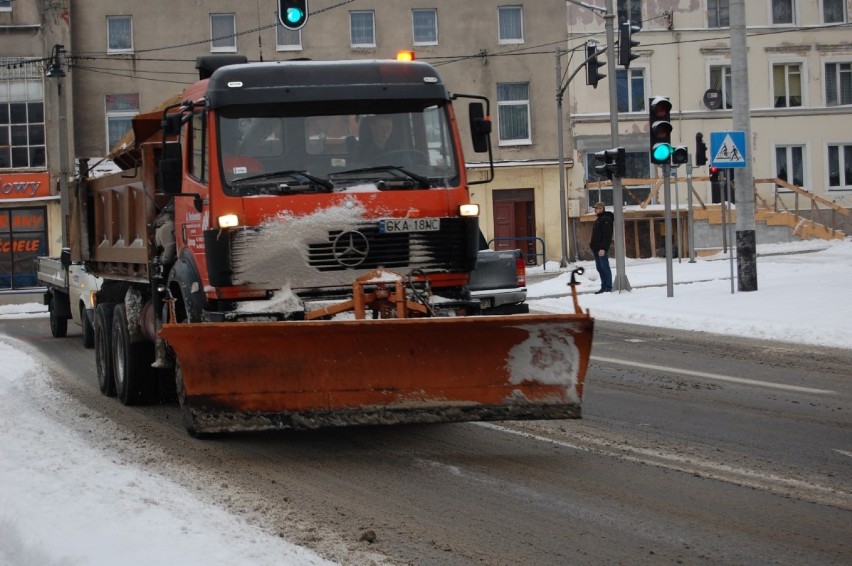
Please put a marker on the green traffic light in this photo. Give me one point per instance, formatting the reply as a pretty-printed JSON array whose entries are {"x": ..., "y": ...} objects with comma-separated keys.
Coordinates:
[
  {"x": 662, "y": 152},
  {"x": 294, "y": 15}
]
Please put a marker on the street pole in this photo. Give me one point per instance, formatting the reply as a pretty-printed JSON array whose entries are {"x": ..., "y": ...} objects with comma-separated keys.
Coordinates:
[
  {"x": 743, "y": 177},
  {"x": 56, "y": 72},
  {"x": 563, "y": 208},
  {"x": 620, "y": 283},
  {"x": 690, "y": 220},
  {"x": 667, "y": 207}
]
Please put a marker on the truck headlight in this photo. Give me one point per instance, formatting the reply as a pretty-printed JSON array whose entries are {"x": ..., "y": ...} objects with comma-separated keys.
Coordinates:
[
  {"x": 469, "y": 210},
  {"x": 229, "y": 221}
]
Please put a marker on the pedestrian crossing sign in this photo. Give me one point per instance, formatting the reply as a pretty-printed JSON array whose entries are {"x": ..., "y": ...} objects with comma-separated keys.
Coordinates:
[{"x": 728, "y": 149}]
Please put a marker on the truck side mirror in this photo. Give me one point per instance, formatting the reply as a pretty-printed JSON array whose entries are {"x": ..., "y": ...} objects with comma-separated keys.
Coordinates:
[
  {"x": 172, "y": 124},
  {"x": 480, "y": 127},
  {"x": 171, "y": 169},
  {"x": 65, "y": 257}
]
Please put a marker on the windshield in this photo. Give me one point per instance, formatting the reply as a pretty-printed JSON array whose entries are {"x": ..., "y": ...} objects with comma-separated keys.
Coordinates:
[{"x": 264, "y": 152}]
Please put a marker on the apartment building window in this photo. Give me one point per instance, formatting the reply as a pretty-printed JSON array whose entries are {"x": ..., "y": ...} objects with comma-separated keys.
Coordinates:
[
  {"x": 287, "y": 40},
  {"x": 840, "y": 167},
  {"x": 513, "y": 113},
  {"x": 630, "y": 10},
  {"x": 119, "y": 34},
  {"x": 833, "y": 11},
  {"x": 223, "y": 32},
  {"x": 787, "y": 84},
  {"x": 5, "y": 5},
  {"x": 120, "y": 110},
  {"x": 838, "y": 84},
  {"x": 511, "y": 24},
  {"x": 637, "y": 165},
  {"x": 425, "y": 27},
  {"x": 362, "y": 29},
  {"x": 790, "y": 164},
  {"x": 720, "y": 80},
  {"x": 783, "y": 12},
  {"x": 22, "y": 132},
  {"x": 630, "y": 86},
  {"x": 717, "y": 14}
]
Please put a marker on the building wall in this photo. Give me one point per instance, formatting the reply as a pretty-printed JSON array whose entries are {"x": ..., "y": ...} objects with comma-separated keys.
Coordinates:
[
  {"x": 30, "y": 212},
  {"x": 677, "y": 50}
]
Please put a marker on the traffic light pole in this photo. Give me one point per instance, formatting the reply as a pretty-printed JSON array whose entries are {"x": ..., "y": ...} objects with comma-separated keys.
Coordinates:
[
  {"x": 744, "y": 179},
  {"x": 667, "y": 208},
  {"x": 620, "y": 282},
  {"x": 563, "y": 208}
]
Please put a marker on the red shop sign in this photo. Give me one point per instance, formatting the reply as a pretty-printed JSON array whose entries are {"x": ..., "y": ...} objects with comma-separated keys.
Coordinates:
[{"x": 24, "y": 185}]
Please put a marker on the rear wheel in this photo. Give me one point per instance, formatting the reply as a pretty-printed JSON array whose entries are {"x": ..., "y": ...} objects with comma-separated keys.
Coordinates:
[
  {"x": 135, "y": 381},
  {"x": 58, "y": 323},
  {"x": 103, "y": 348},
  {"x": 88, "y": 329}
]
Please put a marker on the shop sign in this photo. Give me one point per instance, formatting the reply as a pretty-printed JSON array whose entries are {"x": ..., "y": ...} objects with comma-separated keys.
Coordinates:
[{"x": 24, "y": 185}]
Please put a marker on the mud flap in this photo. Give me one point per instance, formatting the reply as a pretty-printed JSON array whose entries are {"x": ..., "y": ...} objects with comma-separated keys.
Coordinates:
[{"x": 311, "y": 374}]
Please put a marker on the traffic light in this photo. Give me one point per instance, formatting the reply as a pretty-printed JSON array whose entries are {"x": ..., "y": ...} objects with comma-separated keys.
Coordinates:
[
  {"x": 614, "y": 163},
  {"x": 700, "y": 150},
  {"x": 593, "y": 75},
  {"x": 660, "y": 128},
  {"x": 680, "y": 155},
  {"x": 293, "y": 14},
  {"x": 626, "y": 44},
  {"x": 715, "y": 185}
]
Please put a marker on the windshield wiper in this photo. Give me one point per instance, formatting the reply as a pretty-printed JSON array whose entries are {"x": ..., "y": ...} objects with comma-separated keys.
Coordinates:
[
  {"x": 301, "y": 176},
  {"x": 423, "y": 182}
]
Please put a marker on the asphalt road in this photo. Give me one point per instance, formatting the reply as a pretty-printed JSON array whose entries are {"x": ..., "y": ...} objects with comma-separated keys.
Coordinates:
[{"x": 693, "y": 449}]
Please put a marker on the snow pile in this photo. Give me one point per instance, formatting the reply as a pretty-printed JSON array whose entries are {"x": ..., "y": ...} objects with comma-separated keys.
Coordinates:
[{"x": 65, "y": 503}]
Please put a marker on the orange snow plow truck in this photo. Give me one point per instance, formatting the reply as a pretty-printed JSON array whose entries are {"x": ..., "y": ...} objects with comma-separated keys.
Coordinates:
[{"x": 288, "y": 247}]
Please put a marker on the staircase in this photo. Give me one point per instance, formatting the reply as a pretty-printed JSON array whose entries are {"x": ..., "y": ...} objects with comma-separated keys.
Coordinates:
[{"x": 800, "y": 227}]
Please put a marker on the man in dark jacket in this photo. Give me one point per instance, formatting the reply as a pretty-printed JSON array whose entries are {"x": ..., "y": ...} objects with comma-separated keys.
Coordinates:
[{"x": 600, "y": 243}]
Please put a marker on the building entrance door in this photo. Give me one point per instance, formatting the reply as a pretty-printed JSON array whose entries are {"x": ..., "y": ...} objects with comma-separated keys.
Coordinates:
[{"x": 514, "y": 222}]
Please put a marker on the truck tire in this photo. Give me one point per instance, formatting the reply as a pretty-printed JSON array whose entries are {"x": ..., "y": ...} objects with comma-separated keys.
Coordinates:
[
  {"x": 185, "y": 411},
  {"x": 58, "y": 323},
  {"x": 103, "y": 348},
  {"x": 135, "y": 382},
  {"x": 88, "y": 329}
]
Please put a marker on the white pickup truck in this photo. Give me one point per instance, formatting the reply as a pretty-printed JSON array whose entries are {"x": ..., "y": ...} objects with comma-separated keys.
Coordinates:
[{"x": 70, "y": 294}]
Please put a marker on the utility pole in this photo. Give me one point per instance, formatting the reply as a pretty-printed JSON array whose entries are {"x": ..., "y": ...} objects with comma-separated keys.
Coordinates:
[
  {"x": 56, "y": 72},
  {"x": 560, "y": 147},
  {"x": 620, "y": 282},
  {"x": 744, "y": 178}
]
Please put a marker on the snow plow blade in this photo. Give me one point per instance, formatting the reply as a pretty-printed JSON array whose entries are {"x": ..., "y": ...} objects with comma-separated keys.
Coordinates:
[{"x": 251, "y": 376}]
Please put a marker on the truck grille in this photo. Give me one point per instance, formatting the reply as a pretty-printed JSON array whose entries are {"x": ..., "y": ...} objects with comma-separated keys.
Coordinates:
[{"x": 364, "y": 247}]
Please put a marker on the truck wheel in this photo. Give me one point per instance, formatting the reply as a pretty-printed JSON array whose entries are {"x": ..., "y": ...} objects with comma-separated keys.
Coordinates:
[
  {"x": 189, "y": 421},
  {"x": 58, "y": 323},
  {"x": 88, "y": 329},
  {"x": 103, "y": 348},
  {"x": 134, "y": 377}
]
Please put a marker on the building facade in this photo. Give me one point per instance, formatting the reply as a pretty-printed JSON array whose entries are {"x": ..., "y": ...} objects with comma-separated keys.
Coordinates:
[
  {"x": 800, "y": 90},
  {"x": 120, "y": 58},
  {"x": 29, "y": 203}
]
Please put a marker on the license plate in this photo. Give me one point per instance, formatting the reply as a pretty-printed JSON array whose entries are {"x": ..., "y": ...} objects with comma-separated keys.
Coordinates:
[{"x": 393, "y": 225}]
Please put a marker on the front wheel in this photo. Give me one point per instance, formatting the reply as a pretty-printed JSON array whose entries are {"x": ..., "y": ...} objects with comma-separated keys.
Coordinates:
[
  {"x": 190, "y": 422},
  {"x": 103, "y": 348},
  {"x": 58, "y": 323},
  {"x": 88, "y": 329}
]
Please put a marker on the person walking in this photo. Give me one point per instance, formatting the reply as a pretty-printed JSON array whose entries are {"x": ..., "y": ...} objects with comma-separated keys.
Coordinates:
[{"x": 600, "y": 243}]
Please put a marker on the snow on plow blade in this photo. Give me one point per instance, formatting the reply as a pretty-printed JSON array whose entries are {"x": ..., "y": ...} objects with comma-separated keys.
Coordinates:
[{"x": 311, "y": 374}]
